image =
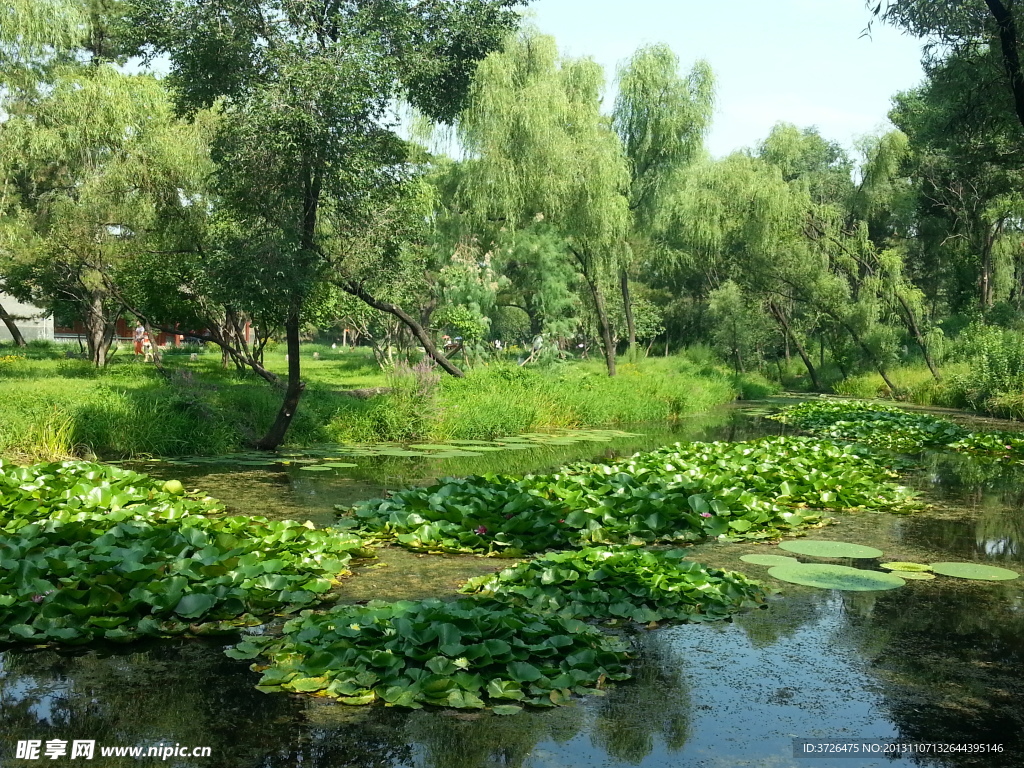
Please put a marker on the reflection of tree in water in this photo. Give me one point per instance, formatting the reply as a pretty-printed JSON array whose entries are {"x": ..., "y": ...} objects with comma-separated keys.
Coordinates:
[
  {"x": 783, "y": 618},
  {"x": 655, "y": 703},
  {"x": 991, "y": 527},
  {"x": 186, "y": 693},
  {"x": 953, "y": 667},
  {"x": 482, "y": 740}
]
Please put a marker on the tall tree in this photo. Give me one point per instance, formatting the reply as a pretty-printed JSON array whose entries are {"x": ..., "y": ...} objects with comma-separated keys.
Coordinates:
[
  {"x": 661, "y": 118},
  {"x": 304, "y": 89},
  {"x": 539, "y": 148}
]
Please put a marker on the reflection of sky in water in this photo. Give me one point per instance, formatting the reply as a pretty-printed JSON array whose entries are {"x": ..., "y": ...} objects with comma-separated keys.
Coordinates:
[{"x": 935, "y": 660}]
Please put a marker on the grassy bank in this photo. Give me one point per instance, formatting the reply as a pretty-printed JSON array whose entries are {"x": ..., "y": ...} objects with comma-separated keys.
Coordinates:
[{"x": 54, "y": 407}]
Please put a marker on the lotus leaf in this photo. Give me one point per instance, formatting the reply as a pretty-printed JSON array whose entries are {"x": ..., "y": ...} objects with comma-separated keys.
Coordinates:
[
  {"x": 898, "y": 430},
  {"x": 976, "y": 571},
  {"x": 835, "y": 577},
  {"x": 339, "y": 464},
  {"x": 916, "y": 575},
  {"x": 466, "y": 654},
  {"x": 816, "y": 548},
  {"x": 634, "y": 584},
  {"x": 317, "y": 468},
  {"x": 769, "y": 560},
  {"x": 678, "y": 494},
  {"x": 114, "y": 554},
  {"x": 898, "y": 565}
]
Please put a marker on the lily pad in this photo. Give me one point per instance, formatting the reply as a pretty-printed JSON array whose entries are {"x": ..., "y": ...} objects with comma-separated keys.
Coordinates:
[
  {"x": 836, "y": 577},
  {"x": 975, "y": 571},
  {"x": 769, "y": 560},
  {"x": 431, "y": 447},
  {"x": 317, "y": 468},
  {"x": 899, "y": 565},
  {"x": 454, "y": 454},
  {"x": 916, "y": 575},
  {"x": 339, "y": 464},
  {"x": 816, "y": 548}
]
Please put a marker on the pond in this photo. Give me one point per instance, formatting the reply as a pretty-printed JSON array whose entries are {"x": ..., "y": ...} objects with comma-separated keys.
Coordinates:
[{"x": 935, "y": 661}]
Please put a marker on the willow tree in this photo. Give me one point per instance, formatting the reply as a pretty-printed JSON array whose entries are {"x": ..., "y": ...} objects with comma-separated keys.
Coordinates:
[
  {"x": 661, "y": 118},
  {"x": 90, "y": 166},
  {"x": 538, "y": 148}
]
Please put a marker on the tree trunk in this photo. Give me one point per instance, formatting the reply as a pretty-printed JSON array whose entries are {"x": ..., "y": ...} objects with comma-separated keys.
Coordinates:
[
  {"x": 293, "y": 393},
  {"x": 99, "y": 331},
  {"x": 788, "y": 331},
  {"x": 915, "y": 331},
  {"x": 12, "y": 327},
  {"x": 418, "y": 330},
  {"x": 605, "y": 323},
  {"x": 871, "y": 356},
  {"x": 1010, "y": 51},
  {"x": 627, "y": 305}
]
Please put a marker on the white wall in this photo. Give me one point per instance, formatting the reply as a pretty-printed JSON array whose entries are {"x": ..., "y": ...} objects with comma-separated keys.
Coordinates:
[{"x": 37, "y": 324}]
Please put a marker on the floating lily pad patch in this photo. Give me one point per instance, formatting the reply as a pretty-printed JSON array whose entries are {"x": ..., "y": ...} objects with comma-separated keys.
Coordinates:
[
  {"x": 841, "y": 577},
  {"x": 975, "y": 571},
  {"x": 916, "y": 575},
  {"x": 339, "y": 464},
  {"x": 898, "y": 565},
  {"x": 466, "y": 654},
  {"x": 769, "y": 560},
  {"x": 816, "y": 548},
  {"x": 316, "y": 468}
]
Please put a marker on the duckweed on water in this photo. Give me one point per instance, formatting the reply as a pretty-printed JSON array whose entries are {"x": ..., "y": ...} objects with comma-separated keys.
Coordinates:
[
  {"x": 686, "y": 492},
  {"x": 894, "y": 429},
  {"x": 90, "y": 551},
  {"x": 632, "y": 584},
  {"x": 462, "y": 654}
]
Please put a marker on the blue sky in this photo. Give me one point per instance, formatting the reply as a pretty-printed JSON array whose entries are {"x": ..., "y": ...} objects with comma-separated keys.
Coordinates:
[{"x": 798, "y": 61}]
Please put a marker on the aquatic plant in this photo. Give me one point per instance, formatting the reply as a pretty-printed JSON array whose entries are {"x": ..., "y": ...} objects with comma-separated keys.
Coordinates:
[
  {"x": 629, "y": 584},
  {"x": 895, "y": 429},
  {"x": 815, "y": 548},
  {"x": 90, "y": 551},
  {"x": 465, "y": 654},
  {"x": 682, "y": 493},
  {"x": 836, "y": 577},
  {"x": 976, "y": 571}
]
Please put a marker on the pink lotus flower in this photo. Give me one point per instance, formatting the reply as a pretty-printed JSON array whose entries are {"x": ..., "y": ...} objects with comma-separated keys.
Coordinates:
[
  {"x": 481, "y": 530},
  {"x": 705, "y": 514},
  {"x": 37, "y": 598}
]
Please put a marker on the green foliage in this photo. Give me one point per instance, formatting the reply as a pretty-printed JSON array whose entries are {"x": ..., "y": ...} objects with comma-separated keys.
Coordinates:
[
  {"x": 682, "y": 493},
  {"x": 896, "y": 429},
  {"x": 836, "y": 577},
  {"x": 466, "y": 654},
  {"x": 90, "y": 551},
  {"x": 629, "y": 584}
]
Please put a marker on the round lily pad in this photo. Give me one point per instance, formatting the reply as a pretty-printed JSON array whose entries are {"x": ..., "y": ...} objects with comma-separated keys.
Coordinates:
[
  {"x": 916, "y": 575},
  {"x": 338, "y": 464},
  {"x": 899, "y": 565},
  {"x": 431, "y": 447},
  {"x": 815, "y": 548},
  {"x": 836, "y": 577},
  {"x": 769, "y": 560},
  {"x": 316, "y": 468},
  {"x": 974, "y": 571}
]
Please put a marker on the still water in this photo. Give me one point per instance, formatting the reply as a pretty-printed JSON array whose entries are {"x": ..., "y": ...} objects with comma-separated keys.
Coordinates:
[{"x": 935, "y": 661}]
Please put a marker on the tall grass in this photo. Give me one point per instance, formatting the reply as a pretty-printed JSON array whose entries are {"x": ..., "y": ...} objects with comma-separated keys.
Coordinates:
[{"x": 52, "y": 407}]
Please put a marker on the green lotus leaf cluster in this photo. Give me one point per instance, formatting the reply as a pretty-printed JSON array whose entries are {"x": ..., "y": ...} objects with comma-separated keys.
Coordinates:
[
  {"x": 683, "y": 493},
  {"x": 466, "y": 654},
  {"x": 621, "y": 584},
  {"x": 90, "y": 551},
  {"x": 895, "y": 429}
]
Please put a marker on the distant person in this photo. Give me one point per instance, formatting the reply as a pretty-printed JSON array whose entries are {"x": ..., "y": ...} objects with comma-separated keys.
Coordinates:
[
  {"x": 139, "y": 334},
  {"x": 147, "y": 347}
]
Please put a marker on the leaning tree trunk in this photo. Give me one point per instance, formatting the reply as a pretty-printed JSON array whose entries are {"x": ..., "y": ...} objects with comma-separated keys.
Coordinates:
[
  {"x": 293, "y": 392},
  {"x": 788, "y": 331},
  {"x": 627, "y": 305},
  {"x": 99, "y": 331},
  {"x": 915, "y": 331},
  {"x": 418, "y": 330},
  {"x": 12, "y": 327}
]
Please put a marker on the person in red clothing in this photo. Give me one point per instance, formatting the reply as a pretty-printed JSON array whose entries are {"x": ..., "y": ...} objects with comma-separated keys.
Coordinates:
[{"x": 140, "y": 332}]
